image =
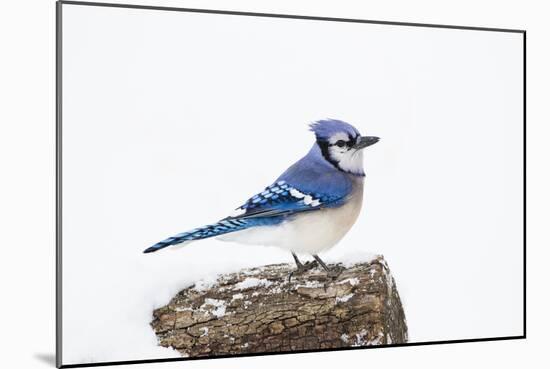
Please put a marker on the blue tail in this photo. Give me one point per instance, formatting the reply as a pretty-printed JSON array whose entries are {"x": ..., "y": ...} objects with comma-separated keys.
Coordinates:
[{"x": 211, "y": 230}]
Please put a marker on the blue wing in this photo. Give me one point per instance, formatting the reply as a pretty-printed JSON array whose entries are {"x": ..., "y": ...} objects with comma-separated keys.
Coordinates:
[{"x": 284, "y": 199}]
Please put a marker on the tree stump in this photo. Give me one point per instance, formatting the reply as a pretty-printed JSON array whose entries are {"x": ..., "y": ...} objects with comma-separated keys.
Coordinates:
[{"x": 258, "y": 310}]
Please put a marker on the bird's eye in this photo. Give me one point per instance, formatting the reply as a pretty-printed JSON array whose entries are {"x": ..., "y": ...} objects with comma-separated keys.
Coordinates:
[{"x": 340, "y": 143}]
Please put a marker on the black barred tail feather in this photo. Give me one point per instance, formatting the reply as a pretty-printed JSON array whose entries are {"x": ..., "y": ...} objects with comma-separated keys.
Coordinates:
[{"x": 211, "y": 230}]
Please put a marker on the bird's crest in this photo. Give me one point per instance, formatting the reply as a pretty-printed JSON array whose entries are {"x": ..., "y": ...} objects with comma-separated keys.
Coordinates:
[{"x": 326, "y": 128}]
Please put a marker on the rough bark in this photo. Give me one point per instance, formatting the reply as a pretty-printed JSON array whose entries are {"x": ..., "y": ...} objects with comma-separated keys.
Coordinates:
[{"x": 257, "y": 310}]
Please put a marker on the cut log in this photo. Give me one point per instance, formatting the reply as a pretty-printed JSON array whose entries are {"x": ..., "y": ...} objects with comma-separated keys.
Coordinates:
[{"x": 258, "y": 310}]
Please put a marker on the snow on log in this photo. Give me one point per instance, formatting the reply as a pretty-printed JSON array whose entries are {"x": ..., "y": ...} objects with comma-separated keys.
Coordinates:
[{"x": 257, "y": 311}]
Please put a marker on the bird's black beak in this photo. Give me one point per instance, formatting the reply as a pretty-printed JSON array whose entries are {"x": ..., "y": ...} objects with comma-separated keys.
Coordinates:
[{"x": 365, "y": 141}]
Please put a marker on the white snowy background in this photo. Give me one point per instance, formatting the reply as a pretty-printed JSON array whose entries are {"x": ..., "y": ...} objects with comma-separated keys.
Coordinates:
[{"x": 171, "y": 120}]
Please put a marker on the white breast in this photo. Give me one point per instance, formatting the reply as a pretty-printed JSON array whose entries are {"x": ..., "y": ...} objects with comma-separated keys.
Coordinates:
[{"x": 310, "y": 232}]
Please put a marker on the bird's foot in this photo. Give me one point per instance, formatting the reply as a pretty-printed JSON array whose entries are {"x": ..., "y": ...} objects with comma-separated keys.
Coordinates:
[
  {"x": 302, "y": 269},
  {"x": 332, "y": 275},
  {"x": 334, "y": 271}
]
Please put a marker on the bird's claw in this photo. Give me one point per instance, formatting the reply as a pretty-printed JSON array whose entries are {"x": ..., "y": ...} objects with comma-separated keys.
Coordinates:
[
  {"x": 334, "y": 273},
  {"x": 302, "y": 269}
]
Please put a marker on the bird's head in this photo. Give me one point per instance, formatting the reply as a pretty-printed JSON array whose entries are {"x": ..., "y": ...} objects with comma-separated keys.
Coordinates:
[{"x": 341, "y": 144}]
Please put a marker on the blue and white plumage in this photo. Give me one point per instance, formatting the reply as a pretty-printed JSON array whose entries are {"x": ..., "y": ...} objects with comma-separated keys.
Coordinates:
[{"x": 309, "y": 208}]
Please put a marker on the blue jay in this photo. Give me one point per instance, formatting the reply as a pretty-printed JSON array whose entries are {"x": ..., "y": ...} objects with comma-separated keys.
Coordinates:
[{"x": 309, "y": 208}]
